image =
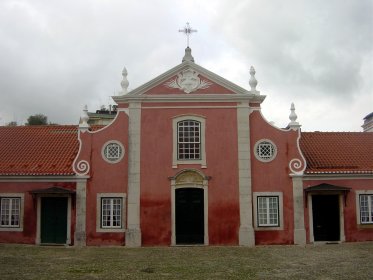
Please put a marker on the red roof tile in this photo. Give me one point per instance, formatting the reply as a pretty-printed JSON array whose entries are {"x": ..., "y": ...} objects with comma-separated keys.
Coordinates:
[
  {"x": 338, "y": 152},
  {"x": 38, "y": 150}
]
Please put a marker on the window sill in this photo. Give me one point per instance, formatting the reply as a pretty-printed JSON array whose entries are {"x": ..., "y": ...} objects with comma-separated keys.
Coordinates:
[
  {"x": 110, "y": 230},
  {"x": 365, "y": 226},
  {"x": 189, "y": 162},
  {"x": 11, "y": 229},
  {"x": 268, "y": 228}
]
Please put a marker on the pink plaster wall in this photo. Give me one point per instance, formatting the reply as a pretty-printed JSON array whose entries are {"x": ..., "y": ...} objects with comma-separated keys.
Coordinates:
[
  {"x": 28, "y": 235},
  {"x": 354, "y": 231},
  {"x": 274, "y": 176},
  {"x": 104, "y": 177},
  {"x": 156, "y": 167}
]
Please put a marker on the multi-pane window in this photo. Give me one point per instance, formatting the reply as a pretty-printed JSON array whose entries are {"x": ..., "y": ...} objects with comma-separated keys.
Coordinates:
[
  {"x": 268, "y": 211},
  {"x": 366, "y": 208},
  {"x": 10, "y": 209},
  {"x": 265, "y": 150},
  {"x": 189, "y": 140},
  {"x": 111, "y": 212}
]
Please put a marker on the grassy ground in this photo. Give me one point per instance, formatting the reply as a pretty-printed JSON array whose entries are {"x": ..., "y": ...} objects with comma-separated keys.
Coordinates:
[{"x": 343, "y": 261}]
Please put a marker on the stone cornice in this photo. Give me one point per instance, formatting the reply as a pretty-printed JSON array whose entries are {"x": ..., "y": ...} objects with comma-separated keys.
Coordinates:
[
  {"x": 310, "y": 177},
  {"x": 190, "y": 98},
  {"x": 32, "y": 179}
]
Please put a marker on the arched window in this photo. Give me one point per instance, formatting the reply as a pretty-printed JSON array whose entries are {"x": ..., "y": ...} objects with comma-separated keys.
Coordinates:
[{"x": 189, "y": 140}]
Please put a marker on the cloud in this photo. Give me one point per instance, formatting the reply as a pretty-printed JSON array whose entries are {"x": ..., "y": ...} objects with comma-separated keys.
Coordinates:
[{"x": 57, "y": 56}]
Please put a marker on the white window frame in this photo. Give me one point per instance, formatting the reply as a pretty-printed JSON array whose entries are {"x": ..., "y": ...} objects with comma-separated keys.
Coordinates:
[
  {"x": 13, "y": 196},
  {"x": 280, "y": 219},
  {"x": 261, "y": 142},
  {"x": 202, "y": 159},
  {"x": 109, "y": 159},
  {"x": 192, "y": 142},
  {"x": 359, "y": 194},
  {"x": 99, "y": 226}
]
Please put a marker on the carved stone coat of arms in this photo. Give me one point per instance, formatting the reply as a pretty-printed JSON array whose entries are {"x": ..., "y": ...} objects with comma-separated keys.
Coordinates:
[{"x": 188, "y": 81}]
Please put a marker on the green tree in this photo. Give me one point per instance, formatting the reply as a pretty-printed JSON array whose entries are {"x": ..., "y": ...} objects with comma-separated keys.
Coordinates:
[
  {"x": 38, "y": 119},
  {"x": 12, "y": 123}
]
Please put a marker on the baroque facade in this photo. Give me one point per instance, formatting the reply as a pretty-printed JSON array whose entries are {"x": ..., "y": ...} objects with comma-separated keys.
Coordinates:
[{"x": 188, "y": 159}]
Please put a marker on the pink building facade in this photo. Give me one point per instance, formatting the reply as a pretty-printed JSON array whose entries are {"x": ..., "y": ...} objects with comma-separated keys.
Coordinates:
[{"x": 189, "y": 159}]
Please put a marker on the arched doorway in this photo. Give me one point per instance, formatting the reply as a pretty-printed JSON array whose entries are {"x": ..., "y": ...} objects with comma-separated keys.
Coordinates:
[{"x": 189, "y": 208}]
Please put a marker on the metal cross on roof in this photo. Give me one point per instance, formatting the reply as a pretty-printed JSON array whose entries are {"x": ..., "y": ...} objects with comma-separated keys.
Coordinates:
[{"x": 187, "y": 30}]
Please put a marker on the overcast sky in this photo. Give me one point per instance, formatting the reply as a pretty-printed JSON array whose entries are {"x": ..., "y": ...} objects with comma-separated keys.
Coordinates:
[{"x": 57, "y": 56}]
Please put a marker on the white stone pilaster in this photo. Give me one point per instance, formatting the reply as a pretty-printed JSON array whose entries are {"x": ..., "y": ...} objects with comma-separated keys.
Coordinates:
[
  {"x": 246, "y": 232},
  {"x": 133, "y": 232},
  {"x": 81, "y": 206},
  {"x": 298, "y": 205}
]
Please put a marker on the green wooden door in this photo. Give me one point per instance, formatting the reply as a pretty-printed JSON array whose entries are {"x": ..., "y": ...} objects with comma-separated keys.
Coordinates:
[{"x": 53, "y": 220}]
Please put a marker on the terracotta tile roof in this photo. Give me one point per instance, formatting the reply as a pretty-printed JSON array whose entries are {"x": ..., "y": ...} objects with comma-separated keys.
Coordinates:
[
  {"x": 338, "y": 152},
  {"x": 38, "y": 150}
]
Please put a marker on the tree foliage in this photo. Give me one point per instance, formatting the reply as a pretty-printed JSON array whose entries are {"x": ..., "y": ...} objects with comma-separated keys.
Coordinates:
[
  {"x": 12, "y": 123},
  {"x": 38, "y": 119}
]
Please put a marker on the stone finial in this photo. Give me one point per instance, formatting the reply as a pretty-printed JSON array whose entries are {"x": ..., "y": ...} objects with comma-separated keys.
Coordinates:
[
  {"x": 253, "y": 82},
  {"x": 188, "y": 55},
  {"x": 293, "y": 117},
  {"x": 124, "y": 83},
  {"x": 83, "y": 124}
]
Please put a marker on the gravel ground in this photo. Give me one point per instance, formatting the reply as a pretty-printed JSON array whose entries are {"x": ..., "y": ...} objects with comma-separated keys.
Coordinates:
[{"x": 334, "y": 261}]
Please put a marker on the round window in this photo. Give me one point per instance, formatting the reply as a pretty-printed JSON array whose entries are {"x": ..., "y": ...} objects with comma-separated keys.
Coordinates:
[
  {"x": 113, "y": 151},
  {"x": 265, "y": 150}
]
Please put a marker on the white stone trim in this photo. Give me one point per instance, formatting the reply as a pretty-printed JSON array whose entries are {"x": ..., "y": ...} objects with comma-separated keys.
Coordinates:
[
  {"x": 357, "y": 204},
  {"x": 80, "y": 213},
  {"x": 190, "y": 98},
  {"x": 191, "y": 107},
  {"x": 312, "y": 177},
  {"x": 298, "y": 209},
  {"x": 82, "y": 167},
  {"x": 21, "y": 196},
  {"x": 246, "y": 231},
  {"x": 272, "y": 124},
  {"x": 112, "y": 142},
  {"x": 42, "y": 178},
  {"x": 175, "y": 70},
  {"x": 202, "y": 121},
  {"x": 204, "y": 186},
  {"x": 188, "y": 81},
  {"x": 341, "y": 215},
  {"x": 119, "y": 110},
  {"x": 280, "y": 211},
  {"x": 38, "y": 215},
  {"x": 296, "y": 165},
  {"x": 261, "y": 142},
  {"x": 123, "y": 196},
  {"x": 133, "y": 232}
]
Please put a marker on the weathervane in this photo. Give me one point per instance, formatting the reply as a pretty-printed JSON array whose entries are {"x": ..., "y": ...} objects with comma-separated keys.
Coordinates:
[{"x": 187, "y": 30}]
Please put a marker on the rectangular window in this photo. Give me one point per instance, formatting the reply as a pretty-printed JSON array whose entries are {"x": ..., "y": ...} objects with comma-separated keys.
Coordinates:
[
  {"x": 189, "y": 140},
  {"x": 268, "y": 211},
  {"x": 111, "y": 212},
  {"x": 366, "y": 208},
  {"x": 10, "y": 210}
]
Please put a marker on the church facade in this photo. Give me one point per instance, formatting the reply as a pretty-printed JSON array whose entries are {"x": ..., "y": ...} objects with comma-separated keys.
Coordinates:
[{"x": 189, "y": 159}]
